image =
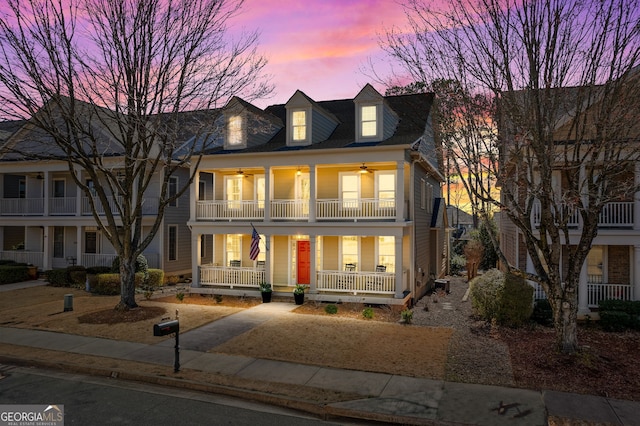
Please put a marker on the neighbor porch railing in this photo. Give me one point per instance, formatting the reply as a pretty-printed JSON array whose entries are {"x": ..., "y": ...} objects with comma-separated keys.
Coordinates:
[
  {"x": 598, "y": 292},
  {"x": 615, "y": 214},
  {"x": 231, "y": 276},
  {"x": 21, "y": 206},
  {"x": 356, "y": 282},
  {"x": 23, "y": 256}
]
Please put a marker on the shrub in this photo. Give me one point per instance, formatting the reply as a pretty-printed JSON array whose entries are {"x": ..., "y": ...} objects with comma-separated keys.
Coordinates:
[
  {"x": 13, "y": 273},
  {"x": 6, "y": 262},
  {"x": 542, "y": 312},
  {"x": 172, "y": 279},
  {"x": 95, "y": 270},
  {"x": 407, "y": 316},
  {"x": 507, "y": 300},
  {"x": 489, "y": 256},
  {"x": 457, "y": 264},
  {"x": 614, "y": 320},
  {"x": 76, "y": 276},
  {"x": 515, "y": 307},
  {"x": 58, "y": 278},
  {"x": 331, "y": 309},
  {"x": 368, "y": 313},
  {"x": 141, "y": 265},
  {"x": 180, "y": 296},
  {"x": 109, "y": 284},
  {"x": 611, "y": 310},
  {"x": 156, "y": 279},
  {"x": 485, "y": 294}
]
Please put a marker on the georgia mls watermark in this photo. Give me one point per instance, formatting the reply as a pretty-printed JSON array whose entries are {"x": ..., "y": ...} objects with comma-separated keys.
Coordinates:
[{"x": 32, "y": 415}]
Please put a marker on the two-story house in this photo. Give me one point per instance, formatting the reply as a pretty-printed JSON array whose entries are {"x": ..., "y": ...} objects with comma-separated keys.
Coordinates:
[
  {"x": 47, "y": 220},
  {"x": 344, "y": 196},
  {"x": 612, "y": 268}
]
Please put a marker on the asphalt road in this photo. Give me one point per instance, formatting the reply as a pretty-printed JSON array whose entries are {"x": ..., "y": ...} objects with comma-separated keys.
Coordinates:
[{"x": 98, "y": 401}]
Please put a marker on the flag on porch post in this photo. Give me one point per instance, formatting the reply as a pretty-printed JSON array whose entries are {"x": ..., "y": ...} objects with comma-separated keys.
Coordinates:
[{"x": 255, "y": 244}]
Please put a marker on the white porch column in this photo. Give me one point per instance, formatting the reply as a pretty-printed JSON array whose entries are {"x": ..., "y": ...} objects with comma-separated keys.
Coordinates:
[
  {"x": 79, "y": 245},
  {"x": 400, "y": 191},
  {"x": 196, "y": 243},
  {"x": 46, "y": 249},
  {"x": 399, "y": 268},
  {"x": 635, "y": 271},
  {"x": 636, "y": 206},
  {"x": 46, "y": 192},
  {"x": 313, "y": 194},
  {"x": 583, "y": 291},
  {"x": 267, "y": 194},
  {"x": 314, "y": 257},
  {"x": 194, "y": 194}
]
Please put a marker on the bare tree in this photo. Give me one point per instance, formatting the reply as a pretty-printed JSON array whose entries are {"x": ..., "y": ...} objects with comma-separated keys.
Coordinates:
[
  {"x": 111, "y": 79},
  {"x": 559, "y": 79}
]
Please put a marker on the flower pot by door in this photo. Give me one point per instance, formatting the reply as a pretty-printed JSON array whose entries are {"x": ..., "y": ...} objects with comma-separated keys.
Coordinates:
[
  {"x": 299, "y": 298},
  {"x": 266, "y": 297}
]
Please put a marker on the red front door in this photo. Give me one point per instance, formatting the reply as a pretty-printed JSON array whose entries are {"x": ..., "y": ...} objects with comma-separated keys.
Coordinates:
[{"x": 304, "y": 262}]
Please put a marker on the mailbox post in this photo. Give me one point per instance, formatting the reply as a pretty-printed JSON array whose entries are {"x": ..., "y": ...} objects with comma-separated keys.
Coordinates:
[{"x": 166, "y": 328}]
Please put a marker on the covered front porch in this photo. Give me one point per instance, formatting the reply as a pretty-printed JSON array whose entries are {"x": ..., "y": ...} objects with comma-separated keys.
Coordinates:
[{"x": 336, "y": 268}]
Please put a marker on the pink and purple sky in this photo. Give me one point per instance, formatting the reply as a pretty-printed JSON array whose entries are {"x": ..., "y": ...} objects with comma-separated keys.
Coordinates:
[{"x": 320, "y": 46}]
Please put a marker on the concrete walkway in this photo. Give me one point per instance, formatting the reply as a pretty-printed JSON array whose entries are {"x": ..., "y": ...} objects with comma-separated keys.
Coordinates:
[{"x": 385, "y": 397}]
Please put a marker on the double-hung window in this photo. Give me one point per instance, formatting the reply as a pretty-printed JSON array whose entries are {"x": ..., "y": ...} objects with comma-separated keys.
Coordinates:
[
  {"x": 299, "y": 126},
  {"x": 234, "y": 131},
  {"x": 349, "y": 190}
]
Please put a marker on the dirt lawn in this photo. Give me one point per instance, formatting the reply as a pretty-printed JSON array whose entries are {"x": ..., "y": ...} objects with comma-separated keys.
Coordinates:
[{"x": 341, "y": 342}]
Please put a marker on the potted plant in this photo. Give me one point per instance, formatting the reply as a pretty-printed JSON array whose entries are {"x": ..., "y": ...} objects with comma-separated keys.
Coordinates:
[
  {"x": 298, "y": 294},
  {"x": 265, "y": 291}
]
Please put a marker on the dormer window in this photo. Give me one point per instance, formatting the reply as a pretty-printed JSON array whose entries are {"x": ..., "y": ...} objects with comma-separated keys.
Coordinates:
[
  {"x": 235, "y": 134},
  {"x": 369, "y": 121},
  {"x": 299, "y": 122}
]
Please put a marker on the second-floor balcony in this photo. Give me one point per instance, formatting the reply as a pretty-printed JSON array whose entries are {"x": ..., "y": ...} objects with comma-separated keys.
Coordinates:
[
  {"x": 66, "y": 206},
  {"x": 325, "y": 209},
  {"x": 613, "y": 215}
]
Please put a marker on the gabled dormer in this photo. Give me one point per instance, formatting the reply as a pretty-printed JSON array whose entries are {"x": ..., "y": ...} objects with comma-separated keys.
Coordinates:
[
  {"x": 375, "y": 120},
  {"x": 246, "y": 125},
  {"x": 307, "y": 121}
]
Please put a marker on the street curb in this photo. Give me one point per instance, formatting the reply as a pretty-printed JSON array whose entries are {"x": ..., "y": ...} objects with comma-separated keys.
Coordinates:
[{"x": 322, "y": 411}]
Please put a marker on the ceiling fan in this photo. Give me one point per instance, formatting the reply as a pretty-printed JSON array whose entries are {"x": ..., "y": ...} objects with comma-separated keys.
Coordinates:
[
  {"x": 241, "y": 172},
  {"x": 364, "y": 169}
]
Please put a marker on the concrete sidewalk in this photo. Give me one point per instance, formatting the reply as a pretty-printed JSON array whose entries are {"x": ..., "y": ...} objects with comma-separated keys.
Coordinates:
[{"x": 385, "y": 397}]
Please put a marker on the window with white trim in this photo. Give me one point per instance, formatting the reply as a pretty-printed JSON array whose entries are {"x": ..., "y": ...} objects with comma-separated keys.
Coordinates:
[
  {"x": 59, "y": 190},
  {"x": 349, "y": 250},
  {"x": 259, "y": 190},
  {"x": 299, "y": 126},
  {"x": 387, "y": 252},
  {"x": 386, "y": 188},
  {"x": 369, "y": 121},
  {"x": 234, "y": 131},
  {"x": 349, "y": 190},
  {"x": 172, "y": 190},
  {"x": 233, "y": 191},
  {"x": 233, "y": 249}
]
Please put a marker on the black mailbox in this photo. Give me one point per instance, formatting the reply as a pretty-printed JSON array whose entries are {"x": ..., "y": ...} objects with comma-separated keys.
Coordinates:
[{"x": 167, "y": 327}]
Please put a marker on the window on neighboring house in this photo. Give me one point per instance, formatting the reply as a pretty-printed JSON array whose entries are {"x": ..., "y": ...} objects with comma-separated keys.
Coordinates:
[
  {"x": 423, "y": 194},
  {"x": 387, "y": 253},
  {"x": 91, "y": 241},
  {"x": 368, "y": 121},
  {"x": 259, "y": 188},
  {"x": 58, "y": 242},
  {"x": 429, "y": 198},
  {"x": 349, "y": 190},
  {"x": 173, "y": 242},
  {"x": 349, "y": 250},
  {"x": 203, "y": 246},
  {"x": 59, "y": 188},
  {"x": 299, "y": 123},
  {"x": 172, "y": 190},
  {"x": 233, "y": 247},
  {"x": 234, "y": 131},
  {"x": 595, "y": 265},
  {"x": 386, "y": 188},
  {"x": 233, "y": 191},
  {"x": 91, "y": 186}
]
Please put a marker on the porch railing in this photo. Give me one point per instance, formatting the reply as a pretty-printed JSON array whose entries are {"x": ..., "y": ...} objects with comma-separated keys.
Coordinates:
[
  {"x": 231, "y": 276},
  {"x": 290, "y": 209},
  {"x": 23, "y": 256},
  {"x": 615, "y": 214},
  {"x": 239, "y": 210},
  {"x": 93, "y": 259},
  {"x": 21, "y": 206},
  {"x": 598, "y": 292},
  {"x": 356, "y": 282},
  {"x": 360, "y": 208},
  {"x": 62, "y": 206}
]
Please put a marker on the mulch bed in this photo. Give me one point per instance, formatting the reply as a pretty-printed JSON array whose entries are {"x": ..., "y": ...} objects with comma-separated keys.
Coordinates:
[{"x": 112, "y": 316}]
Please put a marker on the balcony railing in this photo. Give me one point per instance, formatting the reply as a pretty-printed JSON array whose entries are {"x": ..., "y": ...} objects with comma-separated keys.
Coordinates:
[
  {"x": 326, "y": 209},
  {"x": 231, "y": 276},
  {"x": 22, "y": 206},
  {"x": 62, "y": 206},
  {"x": 23, "y": 256},
  {"x": 598, "y": 292},
  {"x": 615, "y": 214}
]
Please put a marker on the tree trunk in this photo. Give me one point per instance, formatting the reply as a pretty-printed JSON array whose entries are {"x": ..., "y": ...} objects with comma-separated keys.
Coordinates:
[
  {"x": 565, "y": 322},
  {"x": 127, "y": 285}
]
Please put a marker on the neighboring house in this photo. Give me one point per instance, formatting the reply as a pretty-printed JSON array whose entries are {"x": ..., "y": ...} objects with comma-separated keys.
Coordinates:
[
  {"x": 612, "y": 268},
  {"x": 46, "y": 219},
  {"x": 460, "y": 221},
  {"x": 344, "y": 195}
]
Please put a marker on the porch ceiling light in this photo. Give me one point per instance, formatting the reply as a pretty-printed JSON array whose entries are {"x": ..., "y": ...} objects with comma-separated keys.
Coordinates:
[
  {"x": 299, "y": 172},
  {"x": 364, "y": 169}
]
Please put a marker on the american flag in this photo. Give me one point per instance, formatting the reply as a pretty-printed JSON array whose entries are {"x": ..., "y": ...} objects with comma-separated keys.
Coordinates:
[{"x": 255, "y": 244}]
